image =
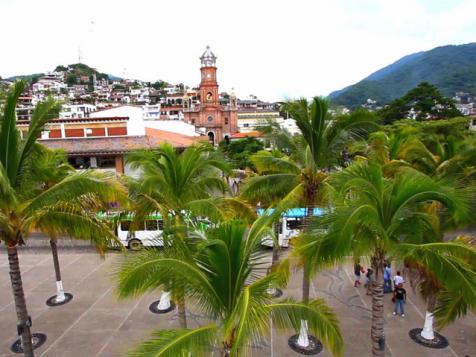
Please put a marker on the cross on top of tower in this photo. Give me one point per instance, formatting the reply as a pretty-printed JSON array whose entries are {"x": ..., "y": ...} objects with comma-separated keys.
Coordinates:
[{"x": 208, "y": 58}]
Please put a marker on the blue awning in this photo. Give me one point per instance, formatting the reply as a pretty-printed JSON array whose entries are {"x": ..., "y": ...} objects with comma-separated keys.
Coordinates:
[{"x": 295, "y": 212}]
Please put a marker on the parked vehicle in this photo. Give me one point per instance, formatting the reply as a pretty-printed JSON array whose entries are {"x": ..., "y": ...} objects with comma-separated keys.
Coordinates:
[
  {"x": 147, "y": 233},
  {"x": 290, "y": 225}
]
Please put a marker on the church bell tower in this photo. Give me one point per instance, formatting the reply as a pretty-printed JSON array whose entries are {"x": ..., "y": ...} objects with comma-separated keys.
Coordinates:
[
  {"x": 218, "y": 122},
  {"x": 208, "y": 85}
]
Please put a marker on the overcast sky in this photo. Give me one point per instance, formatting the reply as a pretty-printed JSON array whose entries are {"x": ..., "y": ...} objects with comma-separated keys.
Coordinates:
[{"x": 273, "y": 49}]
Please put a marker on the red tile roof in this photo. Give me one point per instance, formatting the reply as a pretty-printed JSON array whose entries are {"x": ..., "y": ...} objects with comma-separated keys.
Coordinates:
[
  {"x": 116, "y": 145},
  {"x": 254, "y": 134},
  {"x": 177, "y": 140},
  {"x": 78, "y": 120}
]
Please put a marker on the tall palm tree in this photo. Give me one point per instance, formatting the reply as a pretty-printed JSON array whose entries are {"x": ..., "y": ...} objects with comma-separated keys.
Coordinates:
[
  {"x": 441, "y": 158},
  {"x": 300, "y": 180},
  {"x": 51, "y": 168},
  {"x": 225, "y": 280},
  {"x": 26, "y": 206},
  {"x": 380, "y": 218},
  {"x": 180, "y": 186},
  {"x": 447, "y": 303}
]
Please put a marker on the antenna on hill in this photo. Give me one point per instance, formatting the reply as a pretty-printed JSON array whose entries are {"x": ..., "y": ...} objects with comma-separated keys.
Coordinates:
[{"x": 79, "y": 54}]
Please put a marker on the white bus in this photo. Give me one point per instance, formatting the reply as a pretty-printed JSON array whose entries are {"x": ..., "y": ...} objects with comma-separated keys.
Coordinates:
[
  {"x": 147, "y": 233},
  {"x": 290, "y": 225}
]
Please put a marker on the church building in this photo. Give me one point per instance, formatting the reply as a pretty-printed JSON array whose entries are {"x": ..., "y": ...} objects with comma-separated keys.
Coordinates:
[{"x": 218, "y": 122}]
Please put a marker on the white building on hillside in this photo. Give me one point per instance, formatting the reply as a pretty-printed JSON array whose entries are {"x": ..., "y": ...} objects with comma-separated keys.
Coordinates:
[
  {"x": 71, "y": 111},
  {"x": 135, "y": 124}
]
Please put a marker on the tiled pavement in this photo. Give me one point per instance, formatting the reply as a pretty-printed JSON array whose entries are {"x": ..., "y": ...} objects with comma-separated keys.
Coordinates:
[{"x": 96, "y": 324}]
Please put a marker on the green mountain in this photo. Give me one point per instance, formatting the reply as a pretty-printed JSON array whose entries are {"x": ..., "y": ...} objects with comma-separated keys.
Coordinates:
[{"x": 450, "y": 68}]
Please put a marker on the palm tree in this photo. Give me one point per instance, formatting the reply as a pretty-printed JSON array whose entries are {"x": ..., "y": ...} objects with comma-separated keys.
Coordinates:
[
  {"x": 25, "y": 205},
  {"x": 449, "y": 303},
  {"x": 225, "y": 279},
  {"x": 180, "y": 185},
  {"x": 51, "y": 168},
  {"x": 443, "y": 158},
  {"x": 380, "y": 218},
  {"x": 299, "y": 181}
]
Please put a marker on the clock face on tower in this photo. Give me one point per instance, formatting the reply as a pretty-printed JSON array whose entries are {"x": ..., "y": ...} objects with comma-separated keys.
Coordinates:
[
  {"x": 209, "y": 97},
  {"x": 209, "y": 75}
]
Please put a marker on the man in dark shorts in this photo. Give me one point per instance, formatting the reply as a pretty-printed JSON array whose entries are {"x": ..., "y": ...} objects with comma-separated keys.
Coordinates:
[
  {"x": 357, "y": 269},
  {"x": 400, "y": 297}
]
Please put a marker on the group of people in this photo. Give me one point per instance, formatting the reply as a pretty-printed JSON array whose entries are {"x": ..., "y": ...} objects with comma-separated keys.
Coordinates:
[{"x": 399, "y": 297}]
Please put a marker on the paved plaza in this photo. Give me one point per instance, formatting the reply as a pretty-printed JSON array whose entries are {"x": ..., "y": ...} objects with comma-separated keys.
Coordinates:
[{"x": 95, "y": 323}]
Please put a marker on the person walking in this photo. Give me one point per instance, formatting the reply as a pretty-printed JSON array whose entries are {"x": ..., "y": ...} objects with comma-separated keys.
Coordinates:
[
  {"x": 387, "y": 279},
  {"x": 357, "y": 270},
  {"x": 399, "y": 298},
  {"x": 398, "y": 279},
  {"x": 368, "y": 283}
]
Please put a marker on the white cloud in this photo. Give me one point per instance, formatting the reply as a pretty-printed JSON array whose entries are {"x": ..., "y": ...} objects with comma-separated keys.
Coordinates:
[{"x": 269, "y": 48}]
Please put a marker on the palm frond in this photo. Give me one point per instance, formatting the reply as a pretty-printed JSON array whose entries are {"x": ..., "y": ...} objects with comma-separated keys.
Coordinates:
[
  {"x": 447, "y": 261},
  {"x": 266, "y": 162},
  {"x": 71, "y": 219},
  {"x": 267, "y": 189},
  {"x": 9, "y": 136},
  {"x": 179, "y": 343},
  {"x": 8, "y": 195},
  {"x": 150, "y": 270},
  {"x": 103, "y": 186},
  {"x": 451, "y": 306},
  {"x": 44, "y": 111}
]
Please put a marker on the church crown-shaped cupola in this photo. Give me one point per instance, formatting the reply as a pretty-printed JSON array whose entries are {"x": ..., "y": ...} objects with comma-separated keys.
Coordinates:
[{"x": 208, "y": 58}]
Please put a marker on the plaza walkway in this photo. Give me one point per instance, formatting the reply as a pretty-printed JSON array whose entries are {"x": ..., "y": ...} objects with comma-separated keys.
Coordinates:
[{"x": 96, "y": 324}]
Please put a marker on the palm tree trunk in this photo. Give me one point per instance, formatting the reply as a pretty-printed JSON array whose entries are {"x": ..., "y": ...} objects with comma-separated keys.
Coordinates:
[
  {"x": 276, "y": 247},
  {"x": 59, "y": 284},
  {"x": 20, "y": 303},
  {"x": 275, "y": 257},
  {"x": 181, "y": 310},
  {"x": 377, "y": 335},
  {"x": 306, "y": 281},
  {"x": 303, "y": 339},
  {"x": 377, "y": 332},
  {"x": 428, "y": 332}
]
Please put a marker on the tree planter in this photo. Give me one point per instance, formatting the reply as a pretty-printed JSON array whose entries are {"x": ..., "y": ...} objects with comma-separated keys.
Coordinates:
[
  {"x": 304, "y": 343},
  {"x": 438, "y": 342},
  {"x": 57, "y": 300},
  {"x": 37, "y": 339},
  {"x": 314, "y": 347},
  {"x": 163, "y": 305},
  {"x": 274, "y": 292}
]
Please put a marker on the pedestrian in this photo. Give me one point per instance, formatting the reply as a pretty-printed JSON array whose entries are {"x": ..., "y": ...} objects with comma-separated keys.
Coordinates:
[
  {"x": 387, "y": 279},
  {"x": 357, "y": 270},
  {"x": 399, "y": 298},
  {"x": 397, "y": 279},
  {"x": 368, "y": 283}
]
